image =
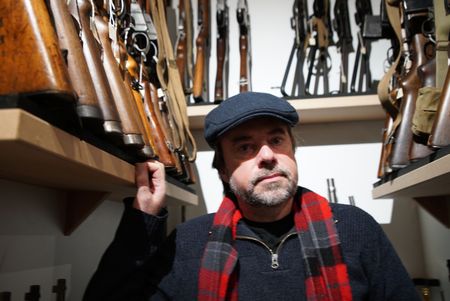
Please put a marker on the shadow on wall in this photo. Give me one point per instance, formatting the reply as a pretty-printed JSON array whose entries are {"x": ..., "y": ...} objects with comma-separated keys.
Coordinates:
[{"x": 405, "y": 234}]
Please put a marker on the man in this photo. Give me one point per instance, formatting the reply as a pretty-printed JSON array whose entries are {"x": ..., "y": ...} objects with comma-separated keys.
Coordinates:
[{"x": 269, "y": 240}]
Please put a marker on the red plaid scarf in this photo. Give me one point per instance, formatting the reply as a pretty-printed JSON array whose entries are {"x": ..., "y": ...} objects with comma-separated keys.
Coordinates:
[{"x": 326, "y": 275}]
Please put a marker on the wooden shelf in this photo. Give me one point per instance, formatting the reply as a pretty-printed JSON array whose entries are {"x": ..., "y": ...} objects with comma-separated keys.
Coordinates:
[
  {"x": 427, "y": 181},
  {"x": 314, "y": 110},
  {"x": 33, "y": 151}
]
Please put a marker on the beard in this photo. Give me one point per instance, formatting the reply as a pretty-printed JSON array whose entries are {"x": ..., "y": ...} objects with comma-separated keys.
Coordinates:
[{"x": 266, "y": 194}]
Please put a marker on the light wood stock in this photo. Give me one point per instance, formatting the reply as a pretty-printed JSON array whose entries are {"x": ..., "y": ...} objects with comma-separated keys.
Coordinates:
[
  {"x": 31, "y": 60},
  {"x": 199, "y": 70}
]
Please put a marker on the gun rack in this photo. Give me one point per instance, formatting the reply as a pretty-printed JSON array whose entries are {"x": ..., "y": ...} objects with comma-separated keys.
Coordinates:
[
  {"x": 35, "y": 152},
  {"x": 427, "y": 181}
]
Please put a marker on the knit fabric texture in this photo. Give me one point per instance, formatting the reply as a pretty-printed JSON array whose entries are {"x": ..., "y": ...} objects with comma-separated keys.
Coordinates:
[{"x": 326, "y": 276}]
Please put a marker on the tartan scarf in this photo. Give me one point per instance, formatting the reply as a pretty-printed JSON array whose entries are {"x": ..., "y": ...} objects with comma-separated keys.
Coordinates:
[{"x": 326, "y": 275}]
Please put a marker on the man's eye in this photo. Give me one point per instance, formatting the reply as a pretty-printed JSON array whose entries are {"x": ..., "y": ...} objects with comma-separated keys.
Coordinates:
[
  {"x": 276, "y": 141},
  {"x": 244, "y": 148}
]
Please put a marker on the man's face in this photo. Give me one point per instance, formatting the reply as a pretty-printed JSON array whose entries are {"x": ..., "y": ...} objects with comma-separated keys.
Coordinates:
[{"x": 259, "y": 162}]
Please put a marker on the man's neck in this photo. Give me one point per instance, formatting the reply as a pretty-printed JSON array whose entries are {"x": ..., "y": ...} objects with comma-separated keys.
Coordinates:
[{"x": 265, "y": 214}]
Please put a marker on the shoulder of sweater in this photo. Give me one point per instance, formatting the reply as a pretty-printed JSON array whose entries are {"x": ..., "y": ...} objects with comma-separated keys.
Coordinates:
[{"x": 201, "y": 221}]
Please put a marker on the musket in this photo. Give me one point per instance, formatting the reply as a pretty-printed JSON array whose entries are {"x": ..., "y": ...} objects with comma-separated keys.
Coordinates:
[
  {"x": 200, "y": 88},
  {"x": 243, "y": 18},
  {"x": 60, "y": 289},
  {"x": 87, "y": 103},
  {"x": 221, "y": 84},
  {"x": 299, "y": 24},
  {"x": 344, "y": 43},
  {"x": 319, "y": 39},
  {"x": 38, "y": 70}
]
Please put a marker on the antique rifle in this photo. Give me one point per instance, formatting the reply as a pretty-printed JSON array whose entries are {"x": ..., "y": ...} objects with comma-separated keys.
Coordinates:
[
  {"x": 82, "y": 12},
  {"x": 243, "y": 18},
  {"x": 221, "y": 85},
  {"x": 332, "y": 196},
  {"x": 344, "y": 43},
  {"x": 183, "y": 45},
  {"x": 200, "y": 89},
  {"x": 32, "y": 63},
  {"x": 299, "y": 25},
  {"x": 87, "y": 103}
]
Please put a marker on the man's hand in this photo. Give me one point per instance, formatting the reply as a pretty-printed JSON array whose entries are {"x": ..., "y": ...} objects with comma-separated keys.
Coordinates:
[{"x": 151, "y": 187}]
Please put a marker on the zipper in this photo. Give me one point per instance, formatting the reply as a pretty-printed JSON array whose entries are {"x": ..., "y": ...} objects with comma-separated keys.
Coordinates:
[{"x": 274, "y": 255}]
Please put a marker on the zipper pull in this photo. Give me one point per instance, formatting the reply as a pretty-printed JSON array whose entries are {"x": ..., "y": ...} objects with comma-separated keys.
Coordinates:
[{"x": 275, "y": 264}]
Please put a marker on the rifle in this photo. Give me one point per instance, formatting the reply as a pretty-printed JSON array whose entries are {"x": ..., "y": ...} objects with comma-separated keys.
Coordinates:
[
  {"x": 361, "y": 68},
  {"x": 221, "y": 85},
  {"x": 38, "y": 70},
  {"x": 243, "y": 18},
  {"x": 319, "y": 38},
  {"x": 344, "y": 44},
  {"x": 60, "y": 289},
  {"x": 200, "y": 89},
  {"x": 410, "y": 85},
  {"x": 299, "y": 24},
  {"x": 132, "y": 133},
  {"x": 184, "y": 45},
  {"x": 87, "y": 102}
]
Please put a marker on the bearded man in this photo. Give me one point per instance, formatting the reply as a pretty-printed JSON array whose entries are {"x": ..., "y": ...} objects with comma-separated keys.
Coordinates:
[{"x": 269, "y": 240}]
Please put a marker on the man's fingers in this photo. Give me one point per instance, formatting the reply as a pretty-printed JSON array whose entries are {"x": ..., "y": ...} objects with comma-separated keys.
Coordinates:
[{"x": 141, "y": 174}]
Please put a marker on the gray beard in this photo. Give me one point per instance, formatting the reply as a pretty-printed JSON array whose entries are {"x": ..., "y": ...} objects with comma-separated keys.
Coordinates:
[{"x": 273, "y": 194}]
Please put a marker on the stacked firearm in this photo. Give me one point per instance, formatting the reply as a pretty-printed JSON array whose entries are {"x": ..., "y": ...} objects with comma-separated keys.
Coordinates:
[
  {"x": 195, "y": 71},
  {"x": 313, "y": 41},
  {"x": 110, "y": 61},
  {"x": 415, "y": 90}
]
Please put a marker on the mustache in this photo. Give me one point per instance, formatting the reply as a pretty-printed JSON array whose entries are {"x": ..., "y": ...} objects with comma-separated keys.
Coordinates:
[{"x": 268, "y": 172}]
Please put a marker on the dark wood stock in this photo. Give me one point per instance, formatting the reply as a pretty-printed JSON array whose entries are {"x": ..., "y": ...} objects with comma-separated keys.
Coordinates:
[
  {"x": 181, "y": 49},
  {"x": 386, "y": 147},
  {"x": 81, "y": 10},
  {"x": 440, "y": 133},
  {"x": 243, "y": 66},
  {"x": 87, "y": 102},
  {"x": 121, "y": 94},
  {"x": 410, "y": 85},
  {"x": 220, "y": 86},
  {"x": 31, "y": 60}
]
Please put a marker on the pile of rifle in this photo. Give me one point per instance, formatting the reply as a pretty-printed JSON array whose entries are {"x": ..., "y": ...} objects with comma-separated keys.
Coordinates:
[
  {"x": 111, "y": 62},
  {"x": 313, "y": 40},
  {"x": 415, "y": 90},
  {"x": 195, "y": 75}
]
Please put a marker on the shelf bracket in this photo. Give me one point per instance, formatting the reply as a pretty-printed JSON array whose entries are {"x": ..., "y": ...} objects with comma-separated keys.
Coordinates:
[
  {"x": 438, "y": 206},
  {"x": 79, "y": 205}
]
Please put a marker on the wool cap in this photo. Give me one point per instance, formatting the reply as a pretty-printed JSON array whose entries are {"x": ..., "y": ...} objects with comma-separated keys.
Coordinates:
[{"x": 243, "y": 107}]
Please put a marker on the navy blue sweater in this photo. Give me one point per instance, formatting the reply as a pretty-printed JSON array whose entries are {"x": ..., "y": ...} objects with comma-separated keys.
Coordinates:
[{"x": 141, "y": 264}]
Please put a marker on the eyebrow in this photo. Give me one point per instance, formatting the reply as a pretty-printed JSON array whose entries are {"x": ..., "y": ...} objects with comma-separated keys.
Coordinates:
[{"x": 245, "y": 137}]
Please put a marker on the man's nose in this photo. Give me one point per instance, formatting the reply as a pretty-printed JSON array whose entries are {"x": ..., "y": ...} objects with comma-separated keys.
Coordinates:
[{"x": 266, "y": 154}]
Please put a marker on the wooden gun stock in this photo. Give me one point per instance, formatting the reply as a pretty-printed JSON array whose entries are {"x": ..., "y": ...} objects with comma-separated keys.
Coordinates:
[
  {"x": 31, "y": 61},
  {"x": 221, "y": 84},
  {"x": 81, "y": 10},
  {"x": 201, "y": 68},
  {"x": 87, "y": 102},
  {"x": 410, "y": 86},
  {"x": 440, "y": 134},
  {"x": 132, "y": 135},
  {"x": 244, "y": 81}
]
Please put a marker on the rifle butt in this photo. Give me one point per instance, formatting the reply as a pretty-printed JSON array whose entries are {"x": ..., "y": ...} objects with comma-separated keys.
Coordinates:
[
  {"x": 440, "y": 133},
  {"x": 87, "y": 102},
  {"x": 220, "y": 84},
  {"x": 244, "y": 77},
  {"x": 199, "y": 74},
  {"x": 32, "y": 65}
]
